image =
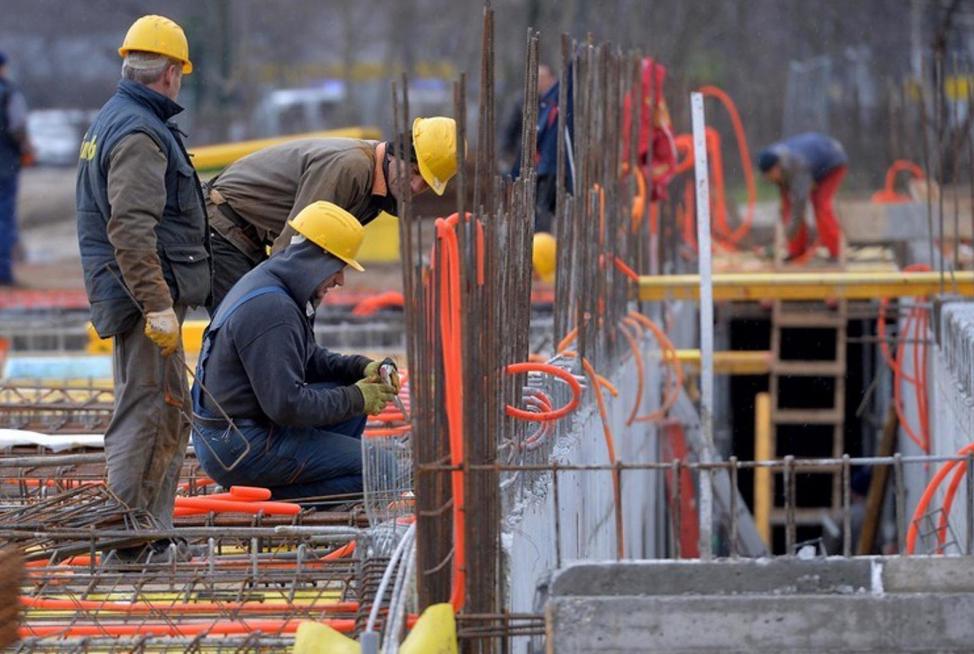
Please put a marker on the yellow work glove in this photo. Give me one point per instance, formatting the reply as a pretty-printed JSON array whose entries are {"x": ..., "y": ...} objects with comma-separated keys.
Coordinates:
[
  {"x": 162, "y": 328},
  {"x": 372, "y": 372},
  {"x": 376, "y": 395}
]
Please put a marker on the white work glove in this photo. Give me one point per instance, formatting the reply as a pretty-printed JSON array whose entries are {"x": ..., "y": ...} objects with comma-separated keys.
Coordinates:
[{"x": 162, "y": 328}]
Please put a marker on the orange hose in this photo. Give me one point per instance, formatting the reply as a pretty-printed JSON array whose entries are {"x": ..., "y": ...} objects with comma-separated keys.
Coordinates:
[
  {"x": 206, "y": 504},
  {"x": 178, "y": 608},
  {"x": 374, "y": 303},
  {"x": 948, "y": 505},
  {"x": 914, "y": 325},
  {"x": 208, "y": 628},
  {"x": 669, "y": 357},
  {"x": 637, "y": 356},
  {"x": 928, "y": 493},
  {"x": 745, "y": 226},
  {"x": 555, "y": 371},
  {"x": 888, "y": 194},
  {"x": 451, "y": 336},
  {"x": 610, "y": 446}
]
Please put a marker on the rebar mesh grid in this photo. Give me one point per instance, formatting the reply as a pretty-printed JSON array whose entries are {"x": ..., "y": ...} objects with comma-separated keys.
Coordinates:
[{"x": 56, "y": 409}]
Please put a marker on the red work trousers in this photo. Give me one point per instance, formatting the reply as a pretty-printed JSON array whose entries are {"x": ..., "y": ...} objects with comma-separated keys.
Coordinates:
[{"x": 825, "y": 220}]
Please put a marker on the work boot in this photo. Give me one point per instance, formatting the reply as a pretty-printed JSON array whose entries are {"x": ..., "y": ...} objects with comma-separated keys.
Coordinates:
[
  {"x": 156, "y": 552},
  {"x": 184, "y": 552}
]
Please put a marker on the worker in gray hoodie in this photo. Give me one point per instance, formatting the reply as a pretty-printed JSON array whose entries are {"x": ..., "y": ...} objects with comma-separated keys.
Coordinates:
[{"x": 271, "y": 407}]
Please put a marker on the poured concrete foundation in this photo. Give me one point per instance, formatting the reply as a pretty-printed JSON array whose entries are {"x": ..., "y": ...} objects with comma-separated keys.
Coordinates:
[{"x": 781, "y": 605}]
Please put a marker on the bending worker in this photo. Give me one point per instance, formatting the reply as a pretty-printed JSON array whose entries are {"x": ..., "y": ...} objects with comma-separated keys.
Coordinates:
[
  {"x": 251, "y": 201},
  {"x": 298, "y": 410},
  {"x": 809, "y": 164},
  {"x": 143, "y": 238}
]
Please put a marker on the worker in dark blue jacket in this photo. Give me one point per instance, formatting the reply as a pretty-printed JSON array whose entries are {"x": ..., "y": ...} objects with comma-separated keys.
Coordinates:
[
  {"x": 297, "y": 410},
  {"x": 809, "y": 164}
]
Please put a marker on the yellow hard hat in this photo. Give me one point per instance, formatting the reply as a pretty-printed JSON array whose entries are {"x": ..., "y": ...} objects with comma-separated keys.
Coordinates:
[
  {"x": 160, "y": 35},
  {"x": 332, "y": 229},
  {"x": 435, "y": 143},
  {"x": 543, "y": 256}
]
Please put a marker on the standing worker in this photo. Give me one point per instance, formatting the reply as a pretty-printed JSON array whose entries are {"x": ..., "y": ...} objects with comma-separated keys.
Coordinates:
[
  {"x": 15, "y": 150},
  {"x": 546, "y": 152},
  {"x": 143, "y": 236},
  {"x": 807, "y": 164},
  {"x": 297, "y": 410},
  {"x": 251, "y": 201}
]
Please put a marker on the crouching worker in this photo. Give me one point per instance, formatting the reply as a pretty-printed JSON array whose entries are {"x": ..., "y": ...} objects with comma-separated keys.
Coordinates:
[{"x": 298, "y": 410}]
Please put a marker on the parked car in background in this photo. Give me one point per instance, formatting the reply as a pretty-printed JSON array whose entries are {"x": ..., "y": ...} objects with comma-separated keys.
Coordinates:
[{"x": 56, "y": 134}]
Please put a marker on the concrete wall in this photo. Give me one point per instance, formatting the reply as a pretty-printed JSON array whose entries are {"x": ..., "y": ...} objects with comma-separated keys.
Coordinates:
[
  {"x": 585, "y": 498},
  {"x": 952, "y": 403}
]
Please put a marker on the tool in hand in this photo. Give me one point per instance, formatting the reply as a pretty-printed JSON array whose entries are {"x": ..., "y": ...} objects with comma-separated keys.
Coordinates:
[{"x": 385, "y": 373}]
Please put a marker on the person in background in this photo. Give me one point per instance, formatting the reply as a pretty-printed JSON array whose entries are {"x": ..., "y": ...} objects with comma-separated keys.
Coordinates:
[
  {"x": 803, "y": 166},
  {"x": 144, "y": 250},
  {"x": 546, "y": 153},
  {"x": 15, "y": 151}
]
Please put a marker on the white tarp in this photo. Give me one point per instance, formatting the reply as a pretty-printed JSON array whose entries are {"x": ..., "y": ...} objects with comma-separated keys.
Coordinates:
[{"x": 55, "y": 443}]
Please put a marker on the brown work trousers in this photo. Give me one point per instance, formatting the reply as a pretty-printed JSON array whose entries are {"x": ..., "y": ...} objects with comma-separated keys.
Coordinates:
[{"x": 145, "y": 443}]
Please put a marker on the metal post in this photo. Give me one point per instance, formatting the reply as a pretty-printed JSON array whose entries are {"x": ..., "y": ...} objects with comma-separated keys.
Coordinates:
[{"x": 706, "y": 320}]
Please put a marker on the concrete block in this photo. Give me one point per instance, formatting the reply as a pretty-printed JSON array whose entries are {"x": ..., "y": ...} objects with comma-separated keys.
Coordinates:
[
  {"x": 933, "y": 574},
  {"x": 791, "y": 623},
  {"x": 730, "y": 577}
]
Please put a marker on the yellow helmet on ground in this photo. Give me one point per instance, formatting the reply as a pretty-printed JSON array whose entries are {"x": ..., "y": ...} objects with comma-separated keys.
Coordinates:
[
  {"x": 435, "y": 143},
  {"x": 159, "y": 35},
  {"x": 332, "y": 229},
  {"x": 543, "y": 256}
]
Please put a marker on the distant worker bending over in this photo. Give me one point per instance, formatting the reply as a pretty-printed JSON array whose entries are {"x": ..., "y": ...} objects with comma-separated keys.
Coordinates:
[
  {"x": 809, "y": 164},
  {"x": 250, "y": 202},
  {"x": 300, "y": 408}
]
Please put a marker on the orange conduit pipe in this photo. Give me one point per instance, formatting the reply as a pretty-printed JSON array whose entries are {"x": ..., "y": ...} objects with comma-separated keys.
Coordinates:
[
  {"x": 637, "y": 356},
  {"x": 714, "y": 92},
  {"x": 554, "y": 371},
  {"x": 200, "y": 482},
  {"x": 669, "y": 357},
  {"x": 375, "y": 303},
  {"x": 948, "y": 504},
  {"x": 610, "y": 448},
  {"x": 914, "y": 325},
  {"x": 205, "y": 504},
  {"x": 209, "y": 628},
  {"x": 84, "y": 560},
  {"x": 888, "y": 194},
  {"x": 178, "y": 608},
  {"x": 927, "y": 497},
  {"x": 450, "y": 337}
]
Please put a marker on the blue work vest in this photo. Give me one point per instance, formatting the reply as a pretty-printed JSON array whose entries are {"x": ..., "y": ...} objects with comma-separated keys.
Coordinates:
[{"x": 182, "y": 236}]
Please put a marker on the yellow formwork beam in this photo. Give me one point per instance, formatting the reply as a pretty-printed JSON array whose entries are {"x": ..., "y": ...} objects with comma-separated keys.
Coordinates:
[
  {"x": 806, "y": 285},
  {"x": 763, "y": 451},
  {"x": 731, "y": 362},
  {"x": 212, "y": 157}
]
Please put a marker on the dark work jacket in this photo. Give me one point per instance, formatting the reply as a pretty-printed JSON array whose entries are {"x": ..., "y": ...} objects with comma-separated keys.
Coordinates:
[
  {"x": 9, "y": 145},
  {"x": 816, "y": 153},
  {"x": 264, "y": 357},
  {"x": 182, "y": 237}
]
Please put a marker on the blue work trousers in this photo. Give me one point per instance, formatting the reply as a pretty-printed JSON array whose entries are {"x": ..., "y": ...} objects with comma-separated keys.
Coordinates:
[
  {"x": 8, "y": 226},
  {"x": 293, "y": 462}
]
